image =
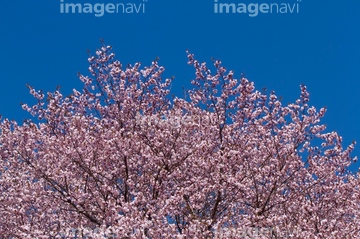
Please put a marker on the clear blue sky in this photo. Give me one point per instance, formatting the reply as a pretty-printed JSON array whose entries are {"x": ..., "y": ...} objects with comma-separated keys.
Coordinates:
[{"x": 319, "y": 46}]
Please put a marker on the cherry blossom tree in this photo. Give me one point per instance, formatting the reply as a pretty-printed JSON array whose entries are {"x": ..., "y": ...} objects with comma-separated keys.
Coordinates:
[{"x": 122, "y": 159}]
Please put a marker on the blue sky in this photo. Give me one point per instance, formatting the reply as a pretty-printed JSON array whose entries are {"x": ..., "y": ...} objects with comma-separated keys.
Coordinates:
[{"x": 319, "y": 46}]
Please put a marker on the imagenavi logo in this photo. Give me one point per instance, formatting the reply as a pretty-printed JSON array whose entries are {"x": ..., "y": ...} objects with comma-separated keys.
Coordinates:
[
  {"x": 99, "y": 9},
  {"x": 254, "y": 9}
]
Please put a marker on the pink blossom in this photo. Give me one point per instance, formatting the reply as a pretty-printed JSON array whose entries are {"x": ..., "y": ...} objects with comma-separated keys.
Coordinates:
[{"x": 120, "y": 158}]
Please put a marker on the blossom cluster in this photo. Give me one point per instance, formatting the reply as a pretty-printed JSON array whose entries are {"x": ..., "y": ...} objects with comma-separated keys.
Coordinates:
[{"x": 121, "y": 159}]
